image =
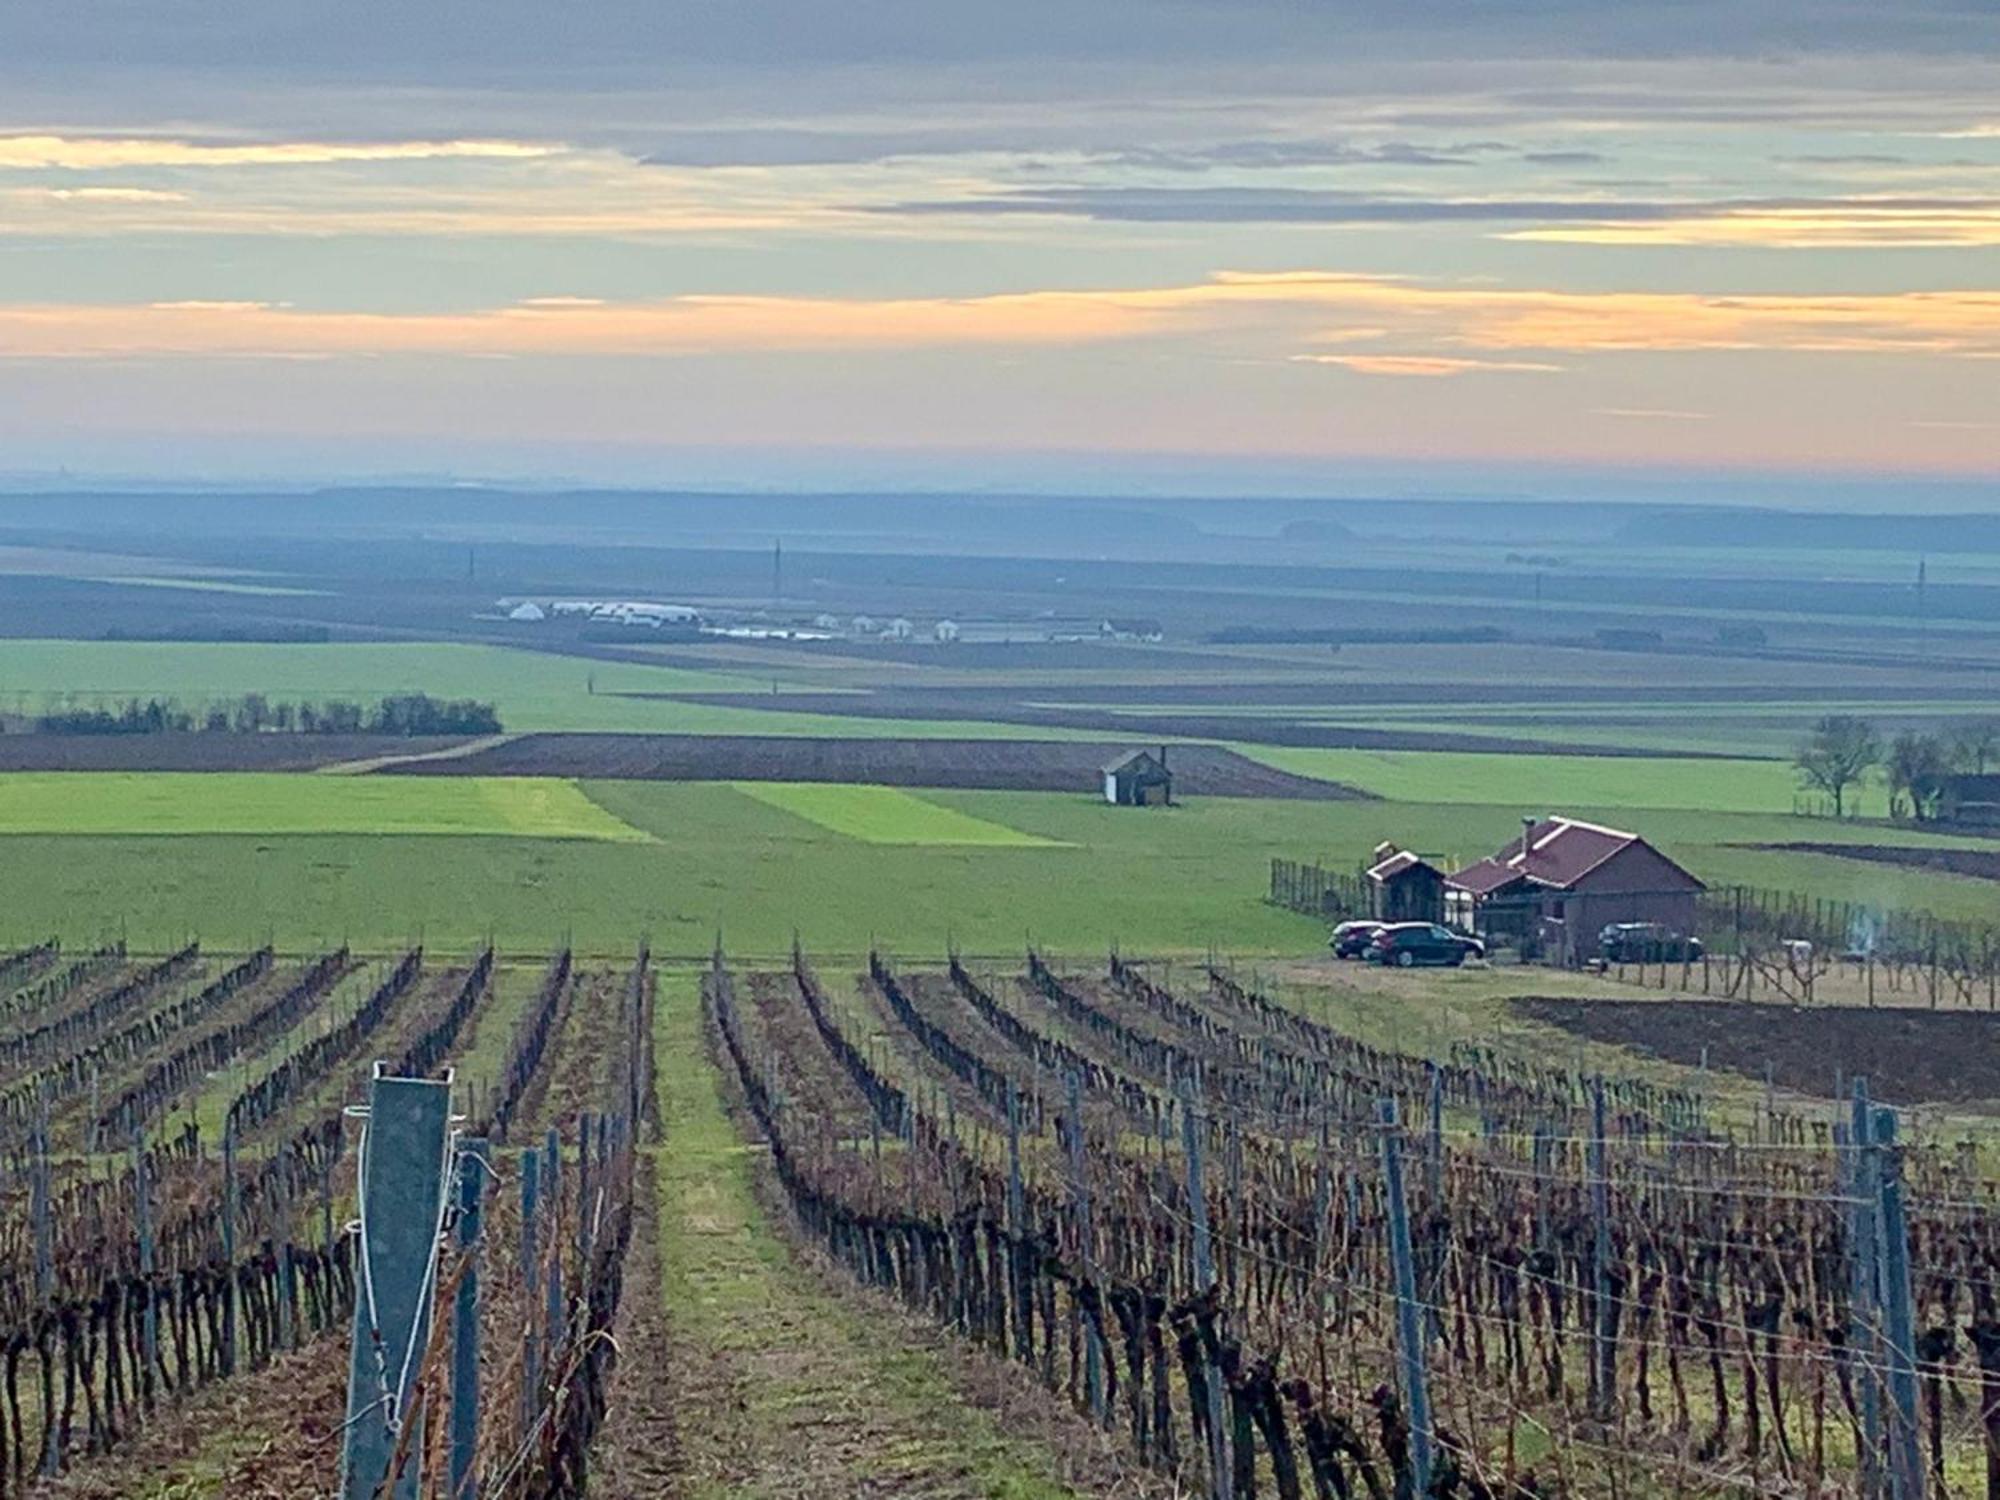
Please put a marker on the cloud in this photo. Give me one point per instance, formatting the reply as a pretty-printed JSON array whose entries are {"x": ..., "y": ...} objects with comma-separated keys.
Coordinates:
[
  {"x": 91, "y": 195},
  {"x": 1274, "y": 311},
  {"x": 1427, "y": 365},
  {"x": 1846, "y": 221},
  {"x": 107, "y": 153}
]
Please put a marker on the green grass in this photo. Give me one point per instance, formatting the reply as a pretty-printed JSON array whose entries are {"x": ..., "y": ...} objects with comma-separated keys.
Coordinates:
[
  {"x": 1539, "y": 783},
  {"x": 887, "y": 815},
  {"x": 793, "y": 1388},
  {"x": 689, "y": 859},
  {"x": 184, "y": 803}
]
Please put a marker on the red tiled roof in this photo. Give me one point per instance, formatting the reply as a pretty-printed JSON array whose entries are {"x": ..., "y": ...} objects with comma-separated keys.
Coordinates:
[
  {"x": 1560, "y": 852},
  {"x": 1484, "y": 878}
]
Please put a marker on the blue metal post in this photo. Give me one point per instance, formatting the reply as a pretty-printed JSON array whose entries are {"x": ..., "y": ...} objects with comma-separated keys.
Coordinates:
[
  {"x": 1017, "y": 1228},
  {"x": 552, "y": 1322},
  {"x": 1221, "y": 1467},
  {"x": 1603, "y": 1363},
  {"x": 1409, "y": 1324},
  {"x": 402, "y": 1188},
  {"x": 229, "y": 1210},
  {"x": 531, "y": 1366},
  {"x": 1863, "y": 1294},
  {"x": 465, "y": 1324},
  {"x": 45, "y": 1264},
  {"x": 1906, "y": 1453}
]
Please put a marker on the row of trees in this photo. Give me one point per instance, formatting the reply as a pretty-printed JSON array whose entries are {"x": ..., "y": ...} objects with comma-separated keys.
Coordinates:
[
  {"x": 1843, "y": 751},
  {"x": 254, "y": 713}
]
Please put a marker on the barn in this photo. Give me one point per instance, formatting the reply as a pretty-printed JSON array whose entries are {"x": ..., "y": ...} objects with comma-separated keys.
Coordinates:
[
  {"x": 1404, "y": 887},
  {"x": 1971, "y": 801},
  {"x": 1139, "y": 779},
  {"x": 1552, "y": 890}
]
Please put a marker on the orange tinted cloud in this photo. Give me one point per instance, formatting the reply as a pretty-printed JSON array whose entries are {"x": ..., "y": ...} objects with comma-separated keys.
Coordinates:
[
  {"x": 1426, "y": 365},
  {"x": 1849, "y": 224},
  {"x": 99, "y": 153},
  {"x": 1434, "y": 325}
]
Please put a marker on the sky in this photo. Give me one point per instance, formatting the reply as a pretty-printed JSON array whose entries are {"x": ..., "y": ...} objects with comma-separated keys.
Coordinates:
[{"x": 1174, "y": 244}]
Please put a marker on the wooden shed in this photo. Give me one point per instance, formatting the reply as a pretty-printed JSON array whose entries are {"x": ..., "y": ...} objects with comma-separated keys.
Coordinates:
[
  {"x": 1404, "y": 887},
  {"x": 1139, "y": 779}
]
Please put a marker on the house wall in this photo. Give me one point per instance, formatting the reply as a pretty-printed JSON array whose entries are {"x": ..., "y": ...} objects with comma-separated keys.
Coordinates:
[{"x": 1416, "y": 895}]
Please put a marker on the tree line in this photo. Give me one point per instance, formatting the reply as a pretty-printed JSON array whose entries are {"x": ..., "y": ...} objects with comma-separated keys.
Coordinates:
[
  {"x": 1843, "y": 751},
  {"x": 400, "y": 714}
]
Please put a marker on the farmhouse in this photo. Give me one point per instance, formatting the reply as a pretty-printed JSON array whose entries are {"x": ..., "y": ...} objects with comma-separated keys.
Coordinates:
[
  {"x": 1971, "y": 801},
  {"x": 1404, "y": 887},
  {"x": 1552, "y": 890},
  {"x": 1140, "y": 779}
]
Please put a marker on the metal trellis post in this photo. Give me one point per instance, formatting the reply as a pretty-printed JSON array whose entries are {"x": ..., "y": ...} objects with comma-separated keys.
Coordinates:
[
  {"x": 1409, "y": 1325},
  {"x": 1906, "y": 1456},
  {"x": 1221, "y": 1469},
  {"x": 402, "y": 1194},
  {"x": 1864, "y": 1306},
  {"x": 531, "y": 1377},
  {"x": 465, "y": 1324}
]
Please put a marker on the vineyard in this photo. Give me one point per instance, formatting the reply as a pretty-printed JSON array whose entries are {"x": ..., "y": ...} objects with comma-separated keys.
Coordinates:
[
  {"x": 186, "y": 1151},
  {"x": 411, "y": 1203},
  {"x": 1272, "y": 1260}
]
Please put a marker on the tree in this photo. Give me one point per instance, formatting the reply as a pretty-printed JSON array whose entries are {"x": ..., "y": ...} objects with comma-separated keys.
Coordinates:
[
  {"x": 1838, "y": 754},
  {"x": 1975, "y": 743},
  {"x": 1917, "y": 767}
]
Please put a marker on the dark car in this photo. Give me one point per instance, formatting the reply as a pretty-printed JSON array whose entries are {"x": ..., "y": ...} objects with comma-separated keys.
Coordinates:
[
  {"x": 1407, "y": 944},
  {"x": 1645, "y": 943},
  {"x": 1351, "y": 939}
]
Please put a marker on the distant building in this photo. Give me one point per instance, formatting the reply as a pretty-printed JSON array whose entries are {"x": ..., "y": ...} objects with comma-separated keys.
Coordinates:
[
  {"x": 864, "y": 625},
  {"x": 1552, "y": 890},
  {"x": 1131, "y": 630},
  {"x": 946, "y": 631},
  {"x": 1140, "y": 779},
  {"x": 826, "y": 622},
  {"x": 527, "y": 611},
  {"x": 899, "y": 630},
  {"x": 1404, "y": 887},
  {"x": 1971, "y": 801}
]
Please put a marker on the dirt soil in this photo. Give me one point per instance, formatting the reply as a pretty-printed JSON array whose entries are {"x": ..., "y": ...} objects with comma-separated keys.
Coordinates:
[
  {"x": 267, "y": 1436},
  {"x": 1908, "y": 1056},
  {"x": 1978, "y": 864},
  {"x": 202, "y": 752},
  {"x": 1001, "y": 765},
  {"x": 1024, "y": 708}
]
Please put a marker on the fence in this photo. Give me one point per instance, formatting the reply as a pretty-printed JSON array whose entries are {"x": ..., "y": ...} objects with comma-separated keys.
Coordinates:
[{"x": 1757, "y": 941}]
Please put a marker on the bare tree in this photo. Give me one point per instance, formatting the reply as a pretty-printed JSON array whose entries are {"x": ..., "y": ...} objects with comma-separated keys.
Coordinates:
[
  {"x": 1838, "y": 754},
  {"x": 1917, "y": 767}
]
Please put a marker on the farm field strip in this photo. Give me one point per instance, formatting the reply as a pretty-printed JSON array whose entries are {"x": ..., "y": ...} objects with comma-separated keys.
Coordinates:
[
  {"x": 887, "y": 815},
  {"x": 273, "y": 803},
  {"x": 1284, "y": 1244}
]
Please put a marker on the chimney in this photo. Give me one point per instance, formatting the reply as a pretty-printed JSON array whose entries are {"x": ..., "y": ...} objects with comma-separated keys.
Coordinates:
[
  {"x": 1163, "y": 757},
  {"x": 1527, "y": 839}
]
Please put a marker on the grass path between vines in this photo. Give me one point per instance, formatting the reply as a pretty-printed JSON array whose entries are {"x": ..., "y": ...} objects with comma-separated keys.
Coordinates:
[{"x": 784, "y": 1386}]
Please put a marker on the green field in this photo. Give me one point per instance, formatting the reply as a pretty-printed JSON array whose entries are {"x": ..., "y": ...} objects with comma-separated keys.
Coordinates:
[
  {"x": 1538, "y": 783},
  {"x": 887, "y": 815},
  {"x": 533, "y": 690},
  {"x": 681, "y": 861},
  {"x": 198, "y": 803}
]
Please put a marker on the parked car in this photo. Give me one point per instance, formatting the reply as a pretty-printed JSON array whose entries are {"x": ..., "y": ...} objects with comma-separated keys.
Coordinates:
[
  {"x": 1407, "y": 944},
  {"x": 1645, "y": 943},
  {"x": 1351, "y": 939}
]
